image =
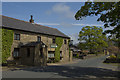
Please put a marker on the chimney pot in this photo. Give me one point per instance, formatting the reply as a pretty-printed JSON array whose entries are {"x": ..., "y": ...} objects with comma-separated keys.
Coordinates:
[{"x": 31, "y": 20}]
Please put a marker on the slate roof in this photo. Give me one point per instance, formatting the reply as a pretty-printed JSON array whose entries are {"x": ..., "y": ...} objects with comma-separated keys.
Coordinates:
[{"x": 12, "y": 23}]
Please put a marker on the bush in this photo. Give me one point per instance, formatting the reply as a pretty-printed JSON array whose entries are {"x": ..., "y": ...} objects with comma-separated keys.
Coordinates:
[
  {"x": 77, "y": 56},
  {"x": 118, "y": 56},
  {"x": 112, "y": 59},
  {"x": 112, "y": 56},
  {"x": 113, "y": 50}
]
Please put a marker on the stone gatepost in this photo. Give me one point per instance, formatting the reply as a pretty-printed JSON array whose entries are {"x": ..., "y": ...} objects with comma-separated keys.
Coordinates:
[{"x": 71, "y": 56}]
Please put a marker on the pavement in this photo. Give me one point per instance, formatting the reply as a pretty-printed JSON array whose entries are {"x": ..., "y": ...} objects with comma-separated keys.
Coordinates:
[
  {"x": 76, "y": 60},
  {"x": 96, "y": 62},
  {"x": 87, "y": 68}
]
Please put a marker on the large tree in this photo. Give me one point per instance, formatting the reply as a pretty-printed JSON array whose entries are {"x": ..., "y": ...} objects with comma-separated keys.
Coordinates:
[
  {"x": 93, "y": 37},
  {"x": 109, "y": 14}
]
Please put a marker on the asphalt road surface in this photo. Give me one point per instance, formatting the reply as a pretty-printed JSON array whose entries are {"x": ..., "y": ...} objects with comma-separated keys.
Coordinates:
[{"x": 86, "y": 68}]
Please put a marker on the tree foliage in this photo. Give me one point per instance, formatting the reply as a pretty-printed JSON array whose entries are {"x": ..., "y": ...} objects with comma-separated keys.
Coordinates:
[
  {"x": 113, "y": 50},
  {"x": 112, "y": 40},
  {"x": 7, "y": 40},
  {"x": 93, "y": 37},
  {"x": 81, "y": 46},
  {"x": 109, "y": 14}
]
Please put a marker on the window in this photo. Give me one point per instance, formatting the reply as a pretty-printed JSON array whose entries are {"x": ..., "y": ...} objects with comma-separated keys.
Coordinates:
[
  {"x": 28, "y": 52},
  {"x": 65, "y": 42},
  {"x": 51, "y": 54},
  {"x": 16, "y": 36},
  {"x": 39, "y": 38},
  {"x": 16, "y": 52},
  {"x": 53, "y": 40}
]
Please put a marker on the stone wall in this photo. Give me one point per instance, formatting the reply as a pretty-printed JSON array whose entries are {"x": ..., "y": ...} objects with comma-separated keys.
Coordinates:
[
  {"x": 24, "y": 59},
  {"x": 65, "y": 51},
  {"x": 30, "y": 37},
  {"x": 26, "y": 37},
  {"x": 40, "y": 57},
  {"x": 37, "y": 56}
]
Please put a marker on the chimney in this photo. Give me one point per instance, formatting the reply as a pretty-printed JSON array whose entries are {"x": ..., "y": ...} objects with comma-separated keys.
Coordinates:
[{"x": 31, "y": 20}]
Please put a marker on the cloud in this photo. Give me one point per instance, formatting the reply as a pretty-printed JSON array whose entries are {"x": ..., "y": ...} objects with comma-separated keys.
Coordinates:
[
  {"x": 73, "y": 24},
  {"x": 61, "y": 9},
  {"x": 48, "y": 23},
  {"x": 74, "y": 37},
  {"x": 87, "y": 24},
  {"x": 48, "y": 12},
  {"x": 109, "y": 28}
]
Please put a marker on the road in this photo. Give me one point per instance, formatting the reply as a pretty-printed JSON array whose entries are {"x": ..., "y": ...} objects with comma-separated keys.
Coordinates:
[{"x": 86, "y": 68}]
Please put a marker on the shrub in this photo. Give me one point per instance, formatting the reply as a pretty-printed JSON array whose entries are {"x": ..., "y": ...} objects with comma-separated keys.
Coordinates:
[
  {"x": 112, "y": 56},
  {"x": 113, "y": 50},
  {"x": 77, "y": 56},
  {"x": 112, "y": 59},
  {"x": 118, "y": 56}
]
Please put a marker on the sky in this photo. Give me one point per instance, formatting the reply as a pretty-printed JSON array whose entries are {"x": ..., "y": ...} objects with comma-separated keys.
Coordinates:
[{"x": 58, "y": 15}]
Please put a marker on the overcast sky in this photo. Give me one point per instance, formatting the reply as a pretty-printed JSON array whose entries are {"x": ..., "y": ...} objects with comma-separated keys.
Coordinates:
[{"x": 53, "y": 14}]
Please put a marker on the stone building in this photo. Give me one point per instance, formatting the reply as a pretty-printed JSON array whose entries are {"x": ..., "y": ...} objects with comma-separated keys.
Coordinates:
[{"x": 34, "y": 44}]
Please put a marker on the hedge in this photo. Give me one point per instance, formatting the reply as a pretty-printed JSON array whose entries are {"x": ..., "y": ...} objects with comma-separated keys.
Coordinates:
[
  {"x": 7, "y": 40},
  {"x": 59, "y": 42}
]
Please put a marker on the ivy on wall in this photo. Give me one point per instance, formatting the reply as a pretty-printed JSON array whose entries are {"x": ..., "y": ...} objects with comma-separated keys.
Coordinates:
[
  {"x": 7, "y": 40},
  {"x": 0, "y": 45},
  {"x": 69, "y": 52},
  {"x": 69, "y": 48},
  {"x": 59, "y": 42}
]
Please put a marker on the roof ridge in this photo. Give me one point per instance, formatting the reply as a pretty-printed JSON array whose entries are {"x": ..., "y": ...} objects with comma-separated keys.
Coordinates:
[
  {"x": 61, "y": 32},
  {"x": 43, "y": 25},
  {"x": 28, "y": 22},
  {"x": 37, "y": 28},
  {"x": 17, "y": 19}
]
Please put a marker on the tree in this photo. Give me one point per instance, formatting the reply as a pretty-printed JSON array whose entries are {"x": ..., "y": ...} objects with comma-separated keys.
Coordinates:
[
  {"x": 81, "y": 46},
  {"x": 113, "y": 50},
  {"x": 109, "y": 14},
  {"x": 93, "y": 37}
]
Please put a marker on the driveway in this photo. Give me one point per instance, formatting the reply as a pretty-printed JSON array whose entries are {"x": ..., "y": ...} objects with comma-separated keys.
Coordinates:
[{"x": 88, "y": 68}]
